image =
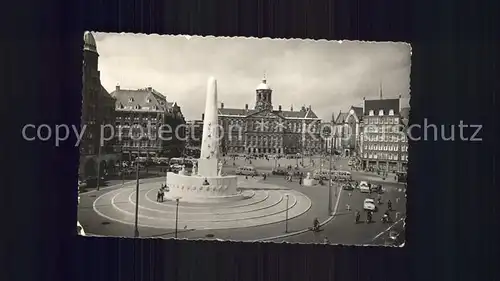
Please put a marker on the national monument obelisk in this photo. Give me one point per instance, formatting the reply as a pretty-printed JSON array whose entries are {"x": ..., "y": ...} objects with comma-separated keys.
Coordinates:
[
  {"x": 209, "y": 154},
  {"x": 206, "y": 184}
]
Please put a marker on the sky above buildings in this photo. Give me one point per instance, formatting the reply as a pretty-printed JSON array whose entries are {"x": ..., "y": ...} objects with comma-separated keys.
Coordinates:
[{"x": 329, "y": 76}]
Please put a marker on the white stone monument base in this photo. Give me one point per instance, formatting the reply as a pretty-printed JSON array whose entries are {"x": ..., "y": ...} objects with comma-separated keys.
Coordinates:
[
  {"x": 191, "y": 189},
  {"x": 308, "y": 182}
]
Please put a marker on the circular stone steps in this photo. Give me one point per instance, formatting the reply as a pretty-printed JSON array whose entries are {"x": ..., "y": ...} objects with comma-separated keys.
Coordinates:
[{"x": 266, "y": 205}]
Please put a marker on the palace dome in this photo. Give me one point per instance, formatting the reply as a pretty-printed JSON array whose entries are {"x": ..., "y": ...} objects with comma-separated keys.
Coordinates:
[
  {"x": 263, "y": 85},
  {"x": 89, "y": 42}
]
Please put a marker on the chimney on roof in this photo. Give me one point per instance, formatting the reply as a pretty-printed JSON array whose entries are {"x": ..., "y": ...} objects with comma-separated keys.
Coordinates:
[
  {"x": 117, "y": 88},
  {"x": 291, "y": 107},
  {"x": 221, "y": 105},
  {"x": 246, "y": 106},
  {"x": 279, "y": 107},
  {"x": 149, "y": 88},
  {"x": 303, "y": 108},
  {"x": 202, "y": 116}
]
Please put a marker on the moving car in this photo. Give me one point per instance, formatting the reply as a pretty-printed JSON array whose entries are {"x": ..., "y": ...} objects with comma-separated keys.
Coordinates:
[
  {"x": 369, "y": 205},
  {"x": 364, "y": 187},
  {"x": 279, "y": 172},
  {"x": 246, "y": 171}
]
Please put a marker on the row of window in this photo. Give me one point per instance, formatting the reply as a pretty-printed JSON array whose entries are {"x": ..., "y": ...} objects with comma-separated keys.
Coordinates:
[
  {"x": 381, "y": 112},
  {"x": 145, "y": 144},
  {"x": 138, "y": 118},
  {"x": 385, "y": 156},
  {"x": 385, "y": 138},
  {"x": 263, "y": 125},
  {"x": 383, "y": 129},
  {"x": 382, "y": 120},
  {"x": 386, "y": 147}
]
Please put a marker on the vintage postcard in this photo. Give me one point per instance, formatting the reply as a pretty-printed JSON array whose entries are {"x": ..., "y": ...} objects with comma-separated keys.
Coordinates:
[{"x": 244, "y": 139}]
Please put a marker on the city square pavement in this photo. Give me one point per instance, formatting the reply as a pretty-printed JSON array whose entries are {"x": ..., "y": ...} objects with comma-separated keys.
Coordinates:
[
  {"x": 96, "y": 224},
  {"x": 340, "y": 228}
]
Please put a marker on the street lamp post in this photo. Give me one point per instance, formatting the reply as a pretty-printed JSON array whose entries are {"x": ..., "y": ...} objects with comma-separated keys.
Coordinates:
[
  {"x": 98, "y": 165},
  {"x": 136, "y": 228},
  {"x": 286, "y": 212},
  {"x": 176, "y": 215},
  {"x": 330, "y": 183},
  {"x": 122, "y": 166}
]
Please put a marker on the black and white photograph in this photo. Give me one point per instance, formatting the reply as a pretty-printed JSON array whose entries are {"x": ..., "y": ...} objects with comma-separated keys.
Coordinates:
[{"x": 244, "y": 139}]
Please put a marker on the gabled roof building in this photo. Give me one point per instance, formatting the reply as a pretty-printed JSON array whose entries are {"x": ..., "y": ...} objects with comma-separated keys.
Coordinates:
[{"x": 146, "y": 111}]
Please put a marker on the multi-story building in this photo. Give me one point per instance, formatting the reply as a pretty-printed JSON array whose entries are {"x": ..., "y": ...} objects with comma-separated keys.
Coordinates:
[
  {"x": 384, "y": 141},
  {"x": 265, "y": 130},
  {"x": 98, "y": 110},
  {"x": 147, "y": 112},
  {"x": 194, "y": 134}
]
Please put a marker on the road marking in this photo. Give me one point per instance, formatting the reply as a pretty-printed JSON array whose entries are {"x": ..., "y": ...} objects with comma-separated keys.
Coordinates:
[
  {"x": 126, "y": 222},
  {"x": 328, "y": 220},
  {"x": 389, "y": 228}
]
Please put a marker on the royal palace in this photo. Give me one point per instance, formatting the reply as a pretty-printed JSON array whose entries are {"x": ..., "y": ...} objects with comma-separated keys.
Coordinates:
[{"x": 266, "y": 130}]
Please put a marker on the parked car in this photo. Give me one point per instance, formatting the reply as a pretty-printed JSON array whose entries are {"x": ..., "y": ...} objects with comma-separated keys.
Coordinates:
[
  {"x": 279, "y": 172},
  {"x": 377, "y": 188},
  {"x": 364, "y": 187},
  {"x": 82, "y": 184},
  {"x": 348, "y": 186},
  {"x": 369, "y": 205}
]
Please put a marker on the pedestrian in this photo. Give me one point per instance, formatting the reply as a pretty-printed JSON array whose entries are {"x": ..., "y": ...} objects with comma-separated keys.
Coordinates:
[{"x": 350, "y": 194}]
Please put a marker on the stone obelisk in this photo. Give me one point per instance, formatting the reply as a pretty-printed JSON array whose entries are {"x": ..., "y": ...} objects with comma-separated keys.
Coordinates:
[{"x": 209, "y": 154}]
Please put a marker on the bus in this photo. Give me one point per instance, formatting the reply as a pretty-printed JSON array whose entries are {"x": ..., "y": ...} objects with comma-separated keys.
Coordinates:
[{"x": 188, "y": 162}]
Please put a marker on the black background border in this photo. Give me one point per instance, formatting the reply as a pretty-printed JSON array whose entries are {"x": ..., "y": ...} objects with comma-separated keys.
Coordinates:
[{"x": 450, "y": 223}]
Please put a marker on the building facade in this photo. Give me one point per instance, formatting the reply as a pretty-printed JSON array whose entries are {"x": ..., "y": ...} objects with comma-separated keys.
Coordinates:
[
  {"x": 194, "y": 134},
  {"x": 146, "y": 112},
  {"x": 384, "y": 143},
  {"x": 98, "y": 110},
  {"x": 264, "y": 130},
  {"x": 348, "y": 128}
]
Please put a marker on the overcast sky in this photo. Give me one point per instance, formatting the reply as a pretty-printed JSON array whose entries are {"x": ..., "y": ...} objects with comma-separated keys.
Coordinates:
[{"x": 329, "y": 76}]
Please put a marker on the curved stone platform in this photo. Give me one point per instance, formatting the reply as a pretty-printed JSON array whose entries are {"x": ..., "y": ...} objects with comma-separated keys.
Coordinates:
[
  {"x": 265, "y": 204},
  {"x": 191, "y": 188}
]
